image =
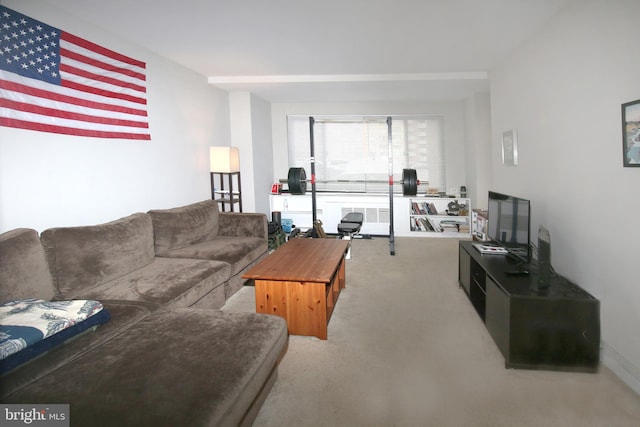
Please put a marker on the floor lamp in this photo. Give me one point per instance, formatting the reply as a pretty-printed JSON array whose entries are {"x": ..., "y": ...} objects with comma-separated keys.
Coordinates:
[{"x": 225, "y": 162}]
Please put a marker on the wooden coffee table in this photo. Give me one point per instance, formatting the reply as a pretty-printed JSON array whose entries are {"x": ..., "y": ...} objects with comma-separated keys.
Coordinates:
[{"x": 301, "y": 282}]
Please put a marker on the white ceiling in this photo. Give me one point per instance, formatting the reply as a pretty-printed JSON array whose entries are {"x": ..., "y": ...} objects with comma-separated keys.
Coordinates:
[{"x": 329, "y": 50}]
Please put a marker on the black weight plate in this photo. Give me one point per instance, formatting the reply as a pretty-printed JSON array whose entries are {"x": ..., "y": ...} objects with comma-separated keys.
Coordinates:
[
  {"x": 409, "y": 182},
  {"x": 297, "y": 181}
]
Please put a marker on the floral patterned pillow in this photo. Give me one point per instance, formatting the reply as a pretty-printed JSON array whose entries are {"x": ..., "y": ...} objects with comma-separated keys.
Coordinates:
[{"x": 27, "y": 321}]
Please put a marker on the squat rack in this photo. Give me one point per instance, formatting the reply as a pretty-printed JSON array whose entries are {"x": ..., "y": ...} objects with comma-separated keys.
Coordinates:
[{"x": 312, "y": 122}]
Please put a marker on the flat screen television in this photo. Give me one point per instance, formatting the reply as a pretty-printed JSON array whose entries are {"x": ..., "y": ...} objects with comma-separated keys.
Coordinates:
[{"x": 509, "y": 224}]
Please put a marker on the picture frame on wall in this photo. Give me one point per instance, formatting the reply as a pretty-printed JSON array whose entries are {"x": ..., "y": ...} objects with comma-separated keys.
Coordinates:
[
  {"x": 510, "y": 148},
  {"x": 631, "y": 134}
]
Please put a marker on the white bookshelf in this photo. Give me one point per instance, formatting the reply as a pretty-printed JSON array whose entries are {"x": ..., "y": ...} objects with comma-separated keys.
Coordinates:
[{"x": 440, "y": 217}]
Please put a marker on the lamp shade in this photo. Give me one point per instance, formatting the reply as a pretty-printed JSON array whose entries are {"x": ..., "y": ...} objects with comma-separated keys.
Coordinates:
[{"x": 224, "y": 159}]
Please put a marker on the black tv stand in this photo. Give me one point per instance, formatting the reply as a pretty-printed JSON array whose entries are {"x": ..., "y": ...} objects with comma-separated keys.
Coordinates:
[{"x": 552, "y": 328}]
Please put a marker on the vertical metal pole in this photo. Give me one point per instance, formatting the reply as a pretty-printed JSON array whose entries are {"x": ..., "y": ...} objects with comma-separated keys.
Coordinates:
[
  {"x": 213, "y": 186},
  {"x": 239, "y": 192},
  {"x": 313, "y": 175},
  {"x": 392, "y": 248},
  {"x": 222, "y": 190},
  {"x": 230, "y": 177}
]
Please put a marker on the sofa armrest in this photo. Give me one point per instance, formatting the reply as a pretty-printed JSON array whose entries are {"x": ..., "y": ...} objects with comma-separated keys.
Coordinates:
[{"x": 239, "y": 224}]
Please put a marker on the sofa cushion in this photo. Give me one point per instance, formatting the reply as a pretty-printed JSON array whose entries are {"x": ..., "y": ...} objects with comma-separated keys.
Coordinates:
[
  {"x": 84, "y": 257},
  {"x": 170, "y": 282},
  {"x": 243, "y": 224},
  {"x": 205, "y": 371},
  {"x": 23, "y": 267},
  {"x": 237, "y": 251},
  {"x": 185, "y": 225}
]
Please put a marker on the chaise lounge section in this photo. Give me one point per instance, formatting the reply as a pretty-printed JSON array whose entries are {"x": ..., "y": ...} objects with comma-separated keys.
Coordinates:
[{"x": 158, "y": 360}]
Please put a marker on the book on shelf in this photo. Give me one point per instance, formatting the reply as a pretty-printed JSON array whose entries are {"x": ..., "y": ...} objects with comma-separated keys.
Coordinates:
[
  {"x": 423, "y": 224},
  {"x": 428, "y": 208},
  {"x": 457, "y": 225},
  {"x": 449, "y": 228},
  {"x": 416, "y": 209},
  {"x": 419, "y": 224},
  {"x": 433, "y": 226}
]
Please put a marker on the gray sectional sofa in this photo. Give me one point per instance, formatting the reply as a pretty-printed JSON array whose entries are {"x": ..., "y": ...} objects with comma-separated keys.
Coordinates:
[{"x": 168, "y": 355}]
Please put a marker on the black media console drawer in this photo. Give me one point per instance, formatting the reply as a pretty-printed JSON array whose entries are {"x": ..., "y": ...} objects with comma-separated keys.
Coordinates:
[{"x": 477, "y": 292}]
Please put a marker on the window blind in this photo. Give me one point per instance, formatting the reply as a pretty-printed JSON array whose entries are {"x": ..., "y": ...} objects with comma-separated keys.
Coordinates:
[{"x": 352, "y": 153}]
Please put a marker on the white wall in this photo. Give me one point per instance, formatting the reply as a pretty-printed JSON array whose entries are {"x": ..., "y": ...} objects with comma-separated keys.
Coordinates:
[
  {"x": 454, "y": 132},
  {"x": 242, "y": 137},
  {"x": 51, "y": 180},
  {"x": 562, "y": 92},
  {"x": 477, "y": 149},
  {"x": 251, "y": 132},
  {"x": 262, "y": 154}
]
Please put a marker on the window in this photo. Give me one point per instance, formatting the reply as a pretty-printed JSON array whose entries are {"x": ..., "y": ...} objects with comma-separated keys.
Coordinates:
[{"x": 352, "y": 153}]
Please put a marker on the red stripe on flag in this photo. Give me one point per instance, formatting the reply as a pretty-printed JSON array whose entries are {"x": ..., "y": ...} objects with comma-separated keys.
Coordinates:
[
  {"x": 28, "y": 90},
  {"x": 99, "y": 49},
  {"x": 82, "y": 73},
  {"x": 66, "y": 53},
  {"x": 21, "y": 124},
  {"x": 102, "y": 92},
  {"x": 30, "y": 108}
]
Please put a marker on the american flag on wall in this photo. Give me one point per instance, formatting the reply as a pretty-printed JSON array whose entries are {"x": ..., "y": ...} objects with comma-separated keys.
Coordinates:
[{"x": 53, "y": 81}]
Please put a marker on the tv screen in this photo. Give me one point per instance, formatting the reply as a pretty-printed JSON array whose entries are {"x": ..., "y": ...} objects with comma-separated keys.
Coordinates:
[{"x": 508, "y": 224}]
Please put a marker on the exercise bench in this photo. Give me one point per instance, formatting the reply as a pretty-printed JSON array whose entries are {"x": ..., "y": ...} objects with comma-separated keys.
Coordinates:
[{"x": 350, "y": 226}]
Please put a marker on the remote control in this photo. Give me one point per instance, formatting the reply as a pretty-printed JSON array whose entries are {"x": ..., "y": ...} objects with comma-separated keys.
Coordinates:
[{"x": 518, "y": 273}]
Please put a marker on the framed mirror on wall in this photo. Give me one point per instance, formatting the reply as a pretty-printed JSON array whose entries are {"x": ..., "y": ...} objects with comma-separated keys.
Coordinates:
[{"x": 510, "y": 148}]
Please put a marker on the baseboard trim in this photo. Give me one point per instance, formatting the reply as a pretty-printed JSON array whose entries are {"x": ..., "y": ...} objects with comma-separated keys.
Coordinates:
[{"x": 623, "y": 368}]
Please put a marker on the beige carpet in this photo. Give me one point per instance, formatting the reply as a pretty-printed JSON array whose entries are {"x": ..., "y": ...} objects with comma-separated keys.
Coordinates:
[{"x": 406, "y": 348}]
